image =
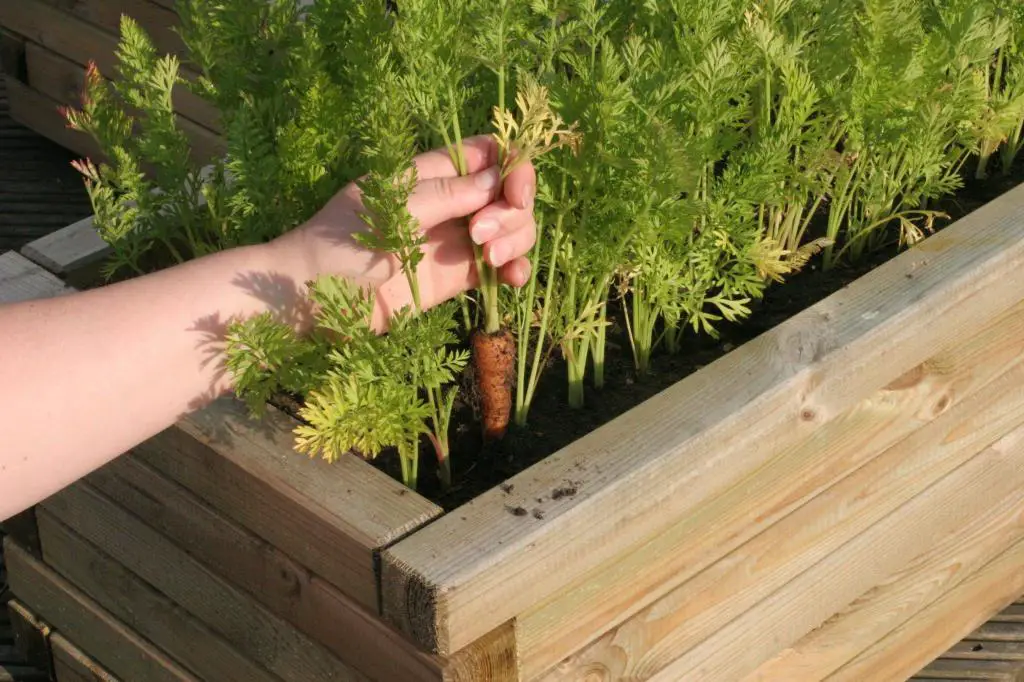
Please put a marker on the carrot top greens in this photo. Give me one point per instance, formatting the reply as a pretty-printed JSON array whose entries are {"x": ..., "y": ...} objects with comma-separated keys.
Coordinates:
[{"x": 690, "y": 154}]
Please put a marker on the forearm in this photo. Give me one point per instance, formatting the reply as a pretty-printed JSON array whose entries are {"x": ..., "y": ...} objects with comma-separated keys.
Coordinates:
[{"x": 88, "y": 376}]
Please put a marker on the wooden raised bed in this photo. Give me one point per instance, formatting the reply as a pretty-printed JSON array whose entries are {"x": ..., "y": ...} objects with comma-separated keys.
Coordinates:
[{"x": 841, "y": 498}]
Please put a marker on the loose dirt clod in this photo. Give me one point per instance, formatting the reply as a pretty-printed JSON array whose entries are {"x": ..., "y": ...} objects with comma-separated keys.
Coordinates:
[
  {"x": 517, "y": 511},
  {"x": 564, "y": 491},
  {"x": 494, "y": 359},
  {"x": 507, "y": 488},
  {"x": 538, "y": 514}
]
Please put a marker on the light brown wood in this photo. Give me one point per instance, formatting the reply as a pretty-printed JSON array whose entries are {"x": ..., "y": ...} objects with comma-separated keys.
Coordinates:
[
  {"x": 82, "y": 42},
  {"x": 62, "y": 80},
  {"x": 69, "y": 250},
  {"x": 72, "y": 665},
  {"x": 288, "y": 589},
  {"x": 23, "y": 280},
  {"x": 31, "y": 635},
  {"x": 603, "y": 598},
  {"x": 159, "y": 22},
  {"x": 252, "y": 629},
  {"x": 38, "y": 112},
  {"x": 457, "y": 579},
  {"x": 903, "y": 595},
  {"x": 995, "y": 631},
  {"x": 912, "y": 646},
  {"x": 80, "y": 619},
  {"x": 147, "y": 612},
  {"x": 743, "y": 609},
  {"x": 330, "y": 517},
  {"x": 492, "y": 658}
]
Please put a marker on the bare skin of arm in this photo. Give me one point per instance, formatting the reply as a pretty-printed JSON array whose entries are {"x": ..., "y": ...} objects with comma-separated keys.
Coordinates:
[{"x": 89, "y": 375}]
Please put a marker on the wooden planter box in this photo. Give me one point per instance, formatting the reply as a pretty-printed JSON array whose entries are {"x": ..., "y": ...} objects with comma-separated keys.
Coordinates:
[{"x": 841, "y": 498}]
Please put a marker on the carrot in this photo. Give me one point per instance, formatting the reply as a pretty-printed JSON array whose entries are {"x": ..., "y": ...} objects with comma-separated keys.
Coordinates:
[{"x": 494, "y": 355}]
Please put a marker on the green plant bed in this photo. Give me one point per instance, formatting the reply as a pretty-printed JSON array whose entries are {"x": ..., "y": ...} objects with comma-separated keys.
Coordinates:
[{"x": 554, "y": 425}]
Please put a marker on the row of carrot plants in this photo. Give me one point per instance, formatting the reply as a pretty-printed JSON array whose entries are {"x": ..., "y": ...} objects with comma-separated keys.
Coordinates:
[{"x": 690, "y": 154}]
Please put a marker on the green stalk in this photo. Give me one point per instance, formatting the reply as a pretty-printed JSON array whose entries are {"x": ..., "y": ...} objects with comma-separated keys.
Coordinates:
[
  {"x": 599, "y": 345},
  {"x": 525, "y": 317},
  {"x": 523, "y": 402}
]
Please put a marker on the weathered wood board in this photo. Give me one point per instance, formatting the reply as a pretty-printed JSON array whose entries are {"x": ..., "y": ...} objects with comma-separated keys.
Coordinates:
[
  {"x": 256, "y": 633},
  {"x": 317, "y": 608},
  {"x": 80, "y": 619},
  {"x": 82, "y": 42},
  {"x": 62, "y": 80},
  {"x": 71, "y": 664}
]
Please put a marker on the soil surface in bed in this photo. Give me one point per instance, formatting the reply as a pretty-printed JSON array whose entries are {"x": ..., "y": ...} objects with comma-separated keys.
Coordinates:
[{"x": 554, "y": 425}]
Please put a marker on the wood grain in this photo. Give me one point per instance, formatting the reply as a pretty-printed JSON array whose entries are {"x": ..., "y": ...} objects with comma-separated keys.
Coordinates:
[
  {"x": 702, "y": 612},
  {"x": 355, "y": 634},
  {"x": 492, "y": 658},
  {"x": 248, "y": 626},
  {"x": 62, "y": 80},
  {"x": 332, "y": 518},
  {"x": 903, "y": 596},
  {"x": 808, "y": 600},
  {"x": 965, "y": 671},
  {"x": 72, "y": 665},
  {"x": 157, "y": 21},
  {"x": 80, "y": 41},
  {"x": 910, "y": 647},
  {"x": 23, "y": 280},
  {"x": 457, "y": 579},
  {"x": 69, "y": 250},
  {"x": 31, "y": 635},
  {"x": 147, "y": 612},
  {"x": 609, "y": 595},
  {"x": 80, "y": 619}
]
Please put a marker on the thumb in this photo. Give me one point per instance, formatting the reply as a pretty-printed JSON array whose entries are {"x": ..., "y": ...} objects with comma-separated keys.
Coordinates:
[{"x": 441, "y": 199}]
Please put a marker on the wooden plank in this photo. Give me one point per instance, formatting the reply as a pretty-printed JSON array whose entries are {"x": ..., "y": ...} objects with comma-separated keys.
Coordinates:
[
  {"x": 80, "y": 619},
  {"x": 72, "y": 665},
  {"x": 31, "y": 635},
  {"x": 62, "y": 80},
  {"x": 911, "y": 646},
  {"x": 22, "y": 527},
  {"x": 903, "y": 595},
  {"x": 159, "y": 22},
  {"x": 70, "y": 251},
  {"x": 147, "y": 612},
  {"x": 23, "y": 280},
  {"x": 768, "y": 594},
  {"x": 978, "y": 650},
  {"x": 480, "y": 566},
  {"x": 250, "y": 627},
  {"x": 604, "y": 598},
  {"x": 962, "y": 671},
  {"x": 41, "y": 114},
  {"x": 994, "y": 631},
  {"x": 355, "y": 634},
  {"x": 332, "y": 518},
  {"x": 492, "y": 658},
  {"x": 81, "y": 42},
  {"x": 12, "y": 54},
  {"x": 1014, "y": 613}
]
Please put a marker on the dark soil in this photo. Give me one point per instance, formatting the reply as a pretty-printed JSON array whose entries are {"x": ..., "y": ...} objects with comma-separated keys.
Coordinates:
[{"x": 553, "y": 425}]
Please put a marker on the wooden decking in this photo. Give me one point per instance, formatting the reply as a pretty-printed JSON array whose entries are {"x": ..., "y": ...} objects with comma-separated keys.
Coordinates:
[{"x": 39, "y": 190}]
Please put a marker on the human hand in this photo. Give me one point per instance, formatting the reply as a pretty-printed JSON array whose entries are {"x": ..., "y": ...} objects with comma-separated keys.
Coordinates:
[{"x": 501, "y": 220}]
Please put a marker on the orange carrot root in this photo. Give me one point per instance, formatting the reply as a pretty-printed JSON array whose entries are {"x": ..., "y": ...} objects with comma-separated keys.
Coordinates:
[{"x": 494, "y": 358}]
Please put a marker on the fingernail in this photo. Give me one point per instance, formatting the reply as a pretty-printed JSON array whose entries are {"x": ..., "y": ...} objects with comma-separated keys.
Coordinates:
[
  {"x": 483, "y": 231},
  {"x": 528, "y": 196},
  {"x": 487, "y": 179},
  {"x": 498, "y": 256}
]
